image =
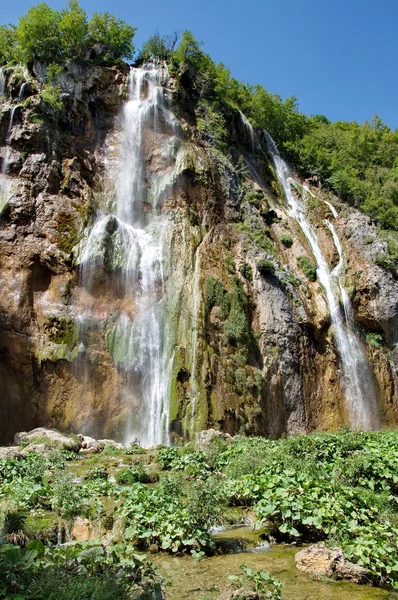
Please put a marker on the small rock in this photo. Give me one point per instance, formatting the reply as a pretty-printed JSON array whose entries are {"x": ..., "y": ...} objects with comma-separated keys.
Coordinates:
[{"x": 319, "y": 561}]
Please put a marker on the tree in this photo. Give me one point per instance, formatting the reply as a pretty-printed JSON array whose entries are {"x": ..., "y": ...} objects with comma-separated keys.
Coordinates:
[
  {"x": 112, "y": 38},
  {"x": 8, "y": 40},
  {"x": 38, "y": 34},
  {"x": 74, "y": 31}
]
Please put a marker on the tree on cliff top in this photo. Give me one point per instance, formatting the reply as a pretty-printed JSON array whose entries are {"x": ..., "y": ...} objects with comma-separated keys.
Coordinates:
[{"x": 53, "y": 36}]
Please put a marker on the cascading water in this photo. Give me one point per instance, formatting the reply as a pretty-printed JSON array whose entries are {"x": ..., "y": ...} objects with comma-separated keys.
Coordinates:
[
  {"x": 2, "y": 82},
  {"x": 358, "y": 382},
  {"x": 128, "y": 241},
  {"x": 5, "y": 153}
]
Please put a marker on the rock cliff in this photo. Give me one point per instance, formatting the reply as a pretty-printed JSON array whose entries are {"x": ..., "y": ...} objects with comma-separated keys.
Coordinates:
[{"x": 252, "y": 347}]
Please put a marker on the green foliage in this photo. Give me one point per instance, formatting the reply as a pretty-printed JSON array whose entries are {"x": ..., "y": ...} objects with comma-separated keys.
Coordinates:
[
  {"x": 73, "y": 30},
  {"x": 340, "y": 487},
  {"x": 172, "y": 517},
  {"x": 158, "y": 47},
  {"x": 7, "y": 43},
  {"x": 38, "y": 34},
  {"x": 211, "y": 123},
  {"x": 66, "y": 498},
  {"x": 111, "y": 37},
  {"x": 52, "y": 97},
  {"x": 237, "y": 327},
  {"x": 286, "y": 240},
  {"x": 75, "y": 572},
  {"x": 358, "y": 162},
  {"x": 307, "y": 267},
  {"x": 130, "y": 475},
  {"x": 54, "y": 36},
  {"x": 216, "y": 295},
  {"x": 97, "y": 473},
  {"x": 246, "y": 271},
  {"x": 374, "y": 339},
  {"x": 258, "y": 583},
  {"x": 265, "y": 267}
]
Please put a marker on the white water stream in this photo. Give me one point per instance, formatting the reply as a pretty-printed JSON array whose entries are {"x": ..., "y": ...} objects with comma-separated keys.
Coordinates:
[
  {"x": 129, "y": 241},
  {"x": 357, "y": 379}
]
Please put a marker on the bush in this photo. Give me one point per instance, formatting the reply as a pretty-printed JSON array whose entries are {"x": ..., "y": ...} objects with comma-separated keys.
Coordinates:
[
  {"x": 307, "y": 267},
  {"x": 257, "y": 584},
  {"x": 216, "y": 295},
  {"x": 286, "y": 240},
  {"x": 131, "y": 475},
  {"x": 265, "y": 267},
  {"x": 246, "y": 271}
]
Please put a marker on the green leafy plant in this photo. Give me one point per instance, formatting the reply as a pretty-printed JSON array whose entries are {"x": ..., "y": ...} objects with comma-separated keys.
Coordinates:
[
  {"x": 307, "y": 267},
  {"x": 258, "y": 583}
]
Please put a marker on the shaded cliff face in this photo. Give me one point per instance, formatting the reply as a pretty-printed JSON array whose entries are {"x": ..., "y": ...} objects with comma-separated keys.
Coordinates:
[{"x": 252, "y": 349}]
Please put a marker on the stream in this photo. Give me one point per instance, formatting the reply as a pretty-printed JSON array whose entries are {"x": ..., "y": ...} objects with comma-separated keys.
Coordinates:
[{"x": 208, "y": 578}]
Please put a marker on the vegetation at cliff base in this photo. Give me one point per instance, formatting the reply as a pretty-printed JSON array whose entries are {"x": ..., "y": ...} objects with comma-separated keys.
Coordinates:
[{"x": 339, "y": 488}]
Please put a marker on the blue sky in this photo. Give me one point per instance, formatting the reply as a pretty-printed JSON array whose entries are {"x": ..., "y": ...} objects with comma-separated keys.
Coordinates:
[{"x": 339, "y": 57}]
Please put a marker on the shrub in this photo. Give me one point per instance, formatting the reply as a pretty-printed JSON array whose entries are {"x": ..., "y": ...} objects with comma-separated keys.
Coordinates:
[
  {"x": 286, "y": 240},
  {"x": 265, "y": 267},
  {"x": 216, "y": 295},
  {"x": 258, "y": 584},
  {"x": 246, "y": 271},
  {"x": 307, "y": 267}
]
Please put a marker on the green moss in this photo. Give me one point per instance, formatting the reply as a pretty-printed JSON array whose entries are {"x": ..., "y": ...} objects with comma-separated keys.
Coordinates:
[
  {"x": 307, "y": 267},
  {"x": 62, "y": 330},
  {"x": 68, "y": 233}
]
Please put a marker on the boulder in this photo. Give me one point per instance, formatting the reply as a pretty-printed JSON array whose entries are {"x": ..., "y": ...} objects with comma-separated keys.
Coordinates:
[
  {"x": 319, "y": 561},
  {"x": 10, "y": 452},
  {"x": 105, "y": 443},
  {"x": 205, "y": 437},
  {"x": 89, "y": 444},
  {"x": 48, "y": 437}
]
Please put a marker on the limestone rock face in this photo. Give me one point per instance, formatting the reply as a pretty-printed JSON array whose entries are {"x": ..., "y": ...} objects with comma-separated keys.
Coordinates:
[
  {"x": 253, "y": 350},
  {"x": 320, "y": 561}
]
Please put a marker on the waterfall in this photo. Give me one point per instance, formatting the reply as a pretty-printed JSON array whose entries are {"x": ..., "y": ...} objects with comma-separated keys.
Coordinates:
[
  {"x": 5, "y": 183},
  {"x": 127, "y": 241},
  {"x": 2, "y": 82},
  {"x": 357, "y": 380},
  {"x": 195, "y": 325}
]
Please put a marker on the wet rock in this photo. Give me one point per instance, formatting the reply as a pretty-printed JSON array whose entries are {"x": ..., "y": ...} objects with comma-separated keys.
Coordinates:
[
  {"x": 48, "y": 437},
  {"x": 320, "y": 561}
]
